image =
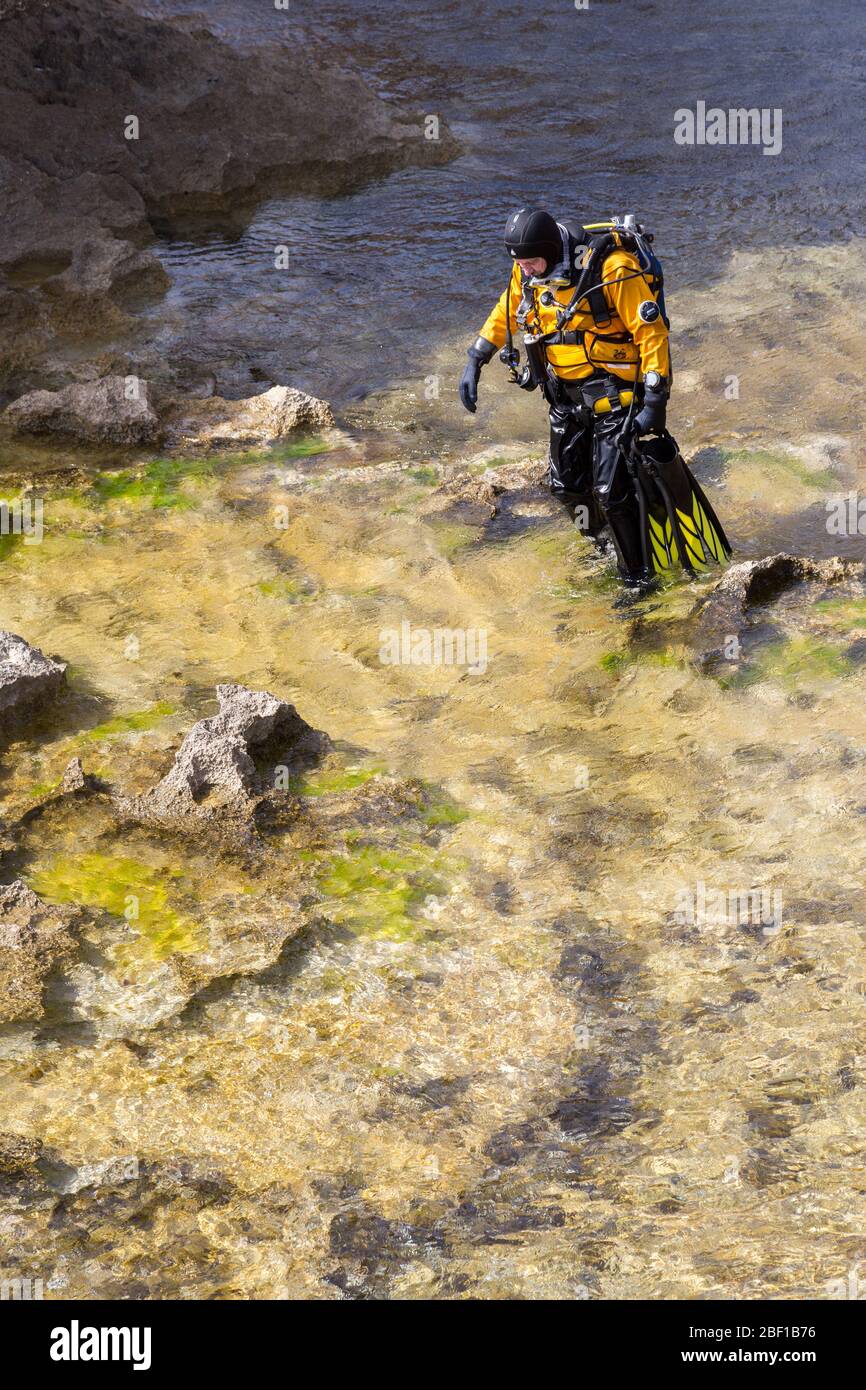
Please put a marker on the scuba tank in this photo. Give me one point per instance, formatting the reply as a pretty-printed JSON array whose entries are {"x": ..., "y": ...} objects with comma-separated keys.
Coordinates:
[
  {"x": 647, "y": 257},
  {"x": 536, "y": 362}
]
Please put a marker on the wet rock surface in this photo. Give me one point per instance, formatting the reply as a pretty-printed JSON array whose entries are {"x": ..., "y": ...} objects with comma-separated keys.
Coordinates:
[
  {"x": 74, "y": 779},
  {"x": 35, "y": 938},
  {"x": 27, "y": 678},
  {"x": 728, "y": 614},
  {"x": 110, "y": 119},
  {"x": 19, "y": 1156},
  {"x": 497, "y": 496},
  {"x": 270, "y": 416},
  {"x": 215, "y": 769},
  {"x": 759, "y": 581},
  {"x": 115, "y": 410}
]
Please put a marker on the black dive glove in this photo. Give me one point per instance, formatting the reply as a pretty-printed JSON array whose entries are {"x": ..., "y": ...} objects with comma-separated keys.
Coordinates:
[
  {"x": 480, "y": 352},
  {"x": 650, "y": 419}
]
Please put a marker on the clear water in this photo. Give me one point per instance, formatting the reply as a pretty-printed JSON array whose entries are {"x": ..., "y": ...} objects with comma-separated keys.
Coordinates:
[{"x": 488, "y": 1060}]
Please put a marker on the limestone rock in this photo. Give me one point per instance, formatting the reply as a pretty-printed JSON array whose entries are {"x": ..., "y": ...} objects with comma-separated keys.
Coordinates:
[
  {"x": 725, "y": 613},
  {"x": 115, "y": 410},
  {"x": 19, "y": 1156},
  {"x": 214, "y": 769},
  {"x": 759, "y": 581},
  {"x": 217, "y": 126},
  {"x": 271, "y": 415},
  {"x": 27, "y": 678},
  {"x": 34, "y": 939},
  {"x": 74, "y": 777}
]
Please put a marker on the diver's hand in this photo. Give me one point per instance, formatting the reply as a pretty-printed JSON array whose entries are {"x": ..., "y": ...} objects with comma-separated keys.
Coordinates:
[
  {"x": 469, "y": 382},
  {"x": 480, "y": 352},
  {"x": 650, "y": 419}
]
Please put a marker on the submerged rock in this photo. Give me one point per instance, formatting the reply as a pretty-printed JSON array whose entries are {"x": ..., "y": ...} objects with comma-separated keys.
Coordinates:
[
  {"x": 110, "y": 118},
  {"x": 34, "y": 939},
  {"x": 235, "y": 937},
  {"x": 115, "y": 410},
  {"x": 473, "y": 496},
  {"x": 271, "y": 415},
  {"x": 19, "y": 1156},
  {"x": 759, "y": 581},
  {"x": 214, "y": 770},
  {"x": 725, "y": 614},
  {"x": 27, "y": 677}
]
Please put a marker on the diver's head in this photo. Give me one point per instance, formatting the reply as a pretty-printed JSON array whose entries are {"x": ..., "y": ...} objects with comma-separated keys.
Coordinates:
[{"x": 532, "y": 239}]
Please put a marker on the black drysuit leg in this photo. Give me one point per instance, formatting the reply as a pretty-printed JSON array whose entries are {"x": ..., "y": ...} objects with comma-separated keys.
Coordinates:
[
  {"x": 569, "y": 466},
  {"x": 615, "y": 494},
  {"x": 588, "y": 475}
]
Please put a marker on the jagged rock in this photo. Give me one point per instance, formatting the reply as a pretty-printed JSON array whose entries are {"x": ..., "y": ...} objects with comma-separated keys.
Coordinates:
[
  {"x": 115, "y": 410},
  {"x": 19, "y": 1156},
  {"x": 214, "y": 770},
  {"x": 245, "y": 946},
  {"x": 27, "y": 677},
  {"x": 74, "y": 777},
  {"x": 758, "y": 581},
  {"x": 68, "y": 262},
  {"x": 725, "y": 613},
  {"x": 271, "y": 415},
  {"x": 122, "y": 992},
  {"x": 34, "y": 939},
  {"x": 472, "y": 498}
]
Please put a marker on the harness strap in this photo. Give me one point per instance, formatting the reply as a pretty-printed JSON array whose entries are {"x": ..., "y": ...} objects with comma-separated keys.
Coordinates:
[
  {"x": 598, "y": 307},
  {"x": 574, "y": 337}
]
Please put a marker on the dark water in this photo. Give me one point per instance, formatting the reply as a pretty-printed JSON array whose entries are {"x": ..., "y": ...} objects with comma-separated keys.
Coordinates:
[{"x": 572, "y": 109}]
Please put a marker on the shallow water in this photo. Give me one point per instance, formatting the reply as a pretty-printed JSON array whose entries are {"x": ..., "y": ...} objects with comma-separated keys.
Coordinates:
[
  {"x": 479, "y": 1049},
  {"x": 490, "y": 1060}
]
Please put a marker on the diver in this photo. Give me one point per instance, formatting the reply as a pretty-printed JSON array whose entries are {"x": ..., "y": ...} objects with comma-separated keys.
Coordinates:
[{"x": 589, "y": 302}]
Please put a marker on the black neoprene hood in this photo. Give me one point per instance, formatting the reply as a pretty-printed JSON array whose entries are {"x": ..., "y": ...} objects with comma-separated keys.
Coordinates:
[{"x": 531, "y": 233}]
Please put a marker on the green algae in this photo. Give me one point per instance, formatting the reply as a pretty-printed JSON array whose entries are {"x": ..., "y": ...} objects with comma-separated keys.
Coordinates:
[
  {"x": 452, "y": 538},
  {"x": 305, "y": 447},
  {"x": 428, "y": 476},
  {"x": 437, "y": 809},
  {"x": 847, "y": 614},
  {"x": 138, "y": 722},
  {"x": 434, "y": 806},
  {"x": 125, "y": 888},
  {"x": 378, "y": 892},
  {"x": 10, "y": 542},
  {"x": 615, "y": 662},
  {"x": 42, "y": 789},
  {"x": 546, "y": 546},
  {"x": 329, "y": 780},
  {"x": 288, "y": 590},
  {"x": 794, "y": 662},
  {"x": 160, "y": 482},
  {"x": 778, "y": 461}
]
